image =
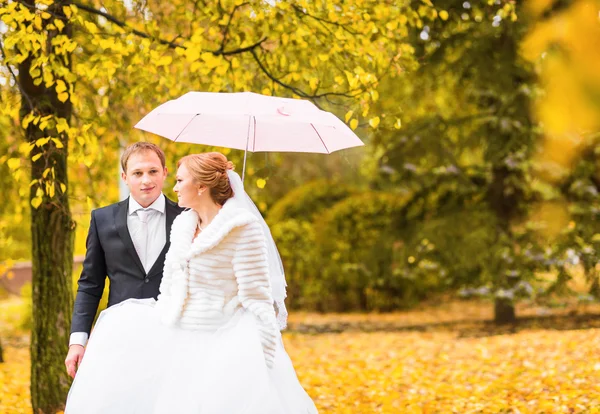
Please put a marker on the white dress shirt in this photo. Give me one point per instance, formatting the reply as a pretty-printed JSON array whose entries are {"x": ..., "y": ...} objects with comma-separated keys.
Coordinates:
[
  {"x": 148, "y": 233},
  {"x": 147, "y": 230}
]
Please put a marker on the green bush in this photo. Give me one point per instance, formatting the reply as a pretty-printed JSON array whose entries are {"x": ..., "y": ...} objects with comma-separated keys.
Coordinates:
[
  {"x": 308, "y": 200},
  {"x": 296, "y": 243},
  {"x": 359, "y": 244}
]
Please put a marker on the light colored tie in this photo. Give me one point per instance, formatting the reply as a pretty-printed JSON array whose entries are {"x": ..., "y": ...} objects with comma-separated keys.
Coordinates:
[{"x": 144, "y": 216}]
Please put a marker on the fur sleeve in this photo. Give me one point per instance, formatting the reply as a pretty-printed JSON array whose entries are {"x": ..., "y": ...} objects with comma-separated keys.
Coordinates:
[{"x": 254, "y": 289}]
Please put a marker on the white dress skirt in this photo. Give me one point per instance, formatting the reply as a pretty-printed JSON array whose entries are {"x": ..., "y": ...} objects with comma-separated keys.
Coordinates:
[{"x": 136, "y": 364}]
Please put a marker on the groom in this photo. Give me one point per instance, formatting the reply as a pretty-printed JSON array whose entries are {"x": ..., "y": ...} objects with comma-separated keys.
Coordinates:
[{"x": 126, "y": 242}]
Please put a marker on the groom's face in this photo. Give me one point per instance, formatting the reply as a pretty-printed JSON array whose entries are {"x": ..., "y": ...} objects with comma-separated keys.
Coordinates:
[{"x": 145, "y": 177}]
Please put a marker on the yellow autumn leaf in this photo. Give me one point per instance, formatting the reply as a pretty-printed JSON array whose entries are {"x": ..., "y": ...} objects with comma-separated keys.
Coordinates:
[
  {"x": 164, "y": 61},
  {"x": 63, "y": 97},
  {"x": 59, "y": 24},
  {"x": 13, "y": 163},
  {"x": 354, "y": 123},
  {"x": 36, "y": 201},
  {"x": 61, "y": 86},
  {"x": 58, "y": 143},
  {"x": 67, "y": 11},
  {"x": 91, "y": 27},
  {"x": 443, "y": 15},
  {"x": 37, "y": 22},
  {"x": 348, "y": 115},
  {"x": 374, "y": 122},
  {"x": 261, "y": 183}
]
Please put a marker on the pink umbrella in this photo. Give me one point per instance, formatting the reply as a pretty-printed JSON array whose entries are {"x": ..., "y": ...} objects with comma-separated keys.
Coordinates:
[{"x": 250, "y": 122}]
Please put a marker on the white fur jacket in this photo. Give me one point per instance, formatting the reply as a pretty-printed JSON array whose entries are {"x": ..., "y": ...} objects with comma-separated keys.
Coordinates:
[{"x": 206, "y": 281}]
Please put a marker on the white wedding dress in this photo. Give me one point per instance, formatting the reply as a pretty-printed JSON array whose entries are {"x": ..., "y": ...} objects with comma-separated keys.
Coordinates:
[
  {"x": 210, "y": 343},
  {"x": 136, "y": 364}
]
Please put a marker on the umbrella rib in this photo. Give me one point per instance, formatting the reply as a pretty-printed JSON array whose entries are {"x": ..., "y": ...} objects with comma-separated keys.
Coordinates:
[
  {"x": 322, "y": 142},
  {"x": 184, "y": 128}
]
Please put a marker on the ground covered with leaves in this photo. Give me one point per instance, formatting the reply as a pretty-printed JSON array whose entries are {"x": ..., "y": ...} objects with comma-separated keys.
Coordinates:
[{"x": 436, "y": 360}]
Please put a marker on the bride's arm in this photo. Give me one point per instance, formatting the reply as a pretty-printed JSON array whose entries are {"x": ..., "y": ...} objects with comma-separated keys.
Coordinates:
[{"x": 254, "y": 289}]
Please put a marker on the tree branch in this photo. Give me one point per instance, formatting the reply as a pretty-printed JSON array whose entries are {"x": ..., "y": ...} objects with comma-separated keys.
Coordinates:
[
  {"x": 170, "y": 43},
  {"x": 124, "y": 25},
  {"x": 300, "y": 11},
  {"x": 226, "y": 30},
  {"x": 297, "y": 91},
  {"x": 274, "y": 79},
  {"x": 23, "y": 92},
  {"x": 240, "y": 50}
]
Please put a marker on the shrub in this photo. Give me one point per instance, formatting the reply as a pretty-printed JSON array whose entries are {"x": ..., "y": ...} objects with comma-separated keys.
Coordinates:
[
  {"x": 359, "y": 244},
  {"x": 308, "y": 200}
]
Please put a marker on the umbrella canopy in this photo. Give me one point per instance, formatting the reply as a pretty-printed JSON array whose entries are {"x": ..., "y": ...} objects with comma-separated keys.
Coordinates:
[{"x": 251, "y": 122}]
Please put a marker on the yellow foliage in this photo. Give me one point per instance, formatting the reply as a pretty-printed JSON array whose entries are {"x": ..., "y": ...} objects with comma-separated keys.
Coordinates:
[
  {"x": 565, "y": 49},
  {"x": 374, "y": 122},
  {"x": 14, "y": 381},
  {"x": 435, "y": 371}
]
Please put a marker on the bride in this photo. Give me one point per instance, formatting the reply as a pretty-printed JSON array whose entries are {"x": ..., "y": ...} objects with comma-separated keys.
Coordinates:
[{"x": 210, "y": 343}]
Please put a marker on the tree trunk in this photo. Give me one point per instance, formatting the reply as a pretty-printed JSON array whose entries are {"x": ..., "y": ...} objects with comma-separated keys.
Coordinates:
[
  {"x": 51, "y": 226},
  {"x": 505, "y": 208},
  {"x": 1, "y": 353},
  {"x": 504, "y": 311}
]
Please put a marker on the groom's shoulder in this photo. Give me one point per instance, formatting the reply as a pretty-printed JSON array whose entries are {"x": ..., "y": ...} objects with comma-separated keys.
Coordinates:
[
  {"x": 174, "y": 205},
  {"x": 101, "y": 212}
]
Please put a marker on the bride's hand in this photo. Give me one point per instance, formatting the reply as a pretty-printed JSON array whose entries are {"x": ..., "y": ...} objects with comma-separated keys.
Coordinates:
[{"x": 74, "y": 358}]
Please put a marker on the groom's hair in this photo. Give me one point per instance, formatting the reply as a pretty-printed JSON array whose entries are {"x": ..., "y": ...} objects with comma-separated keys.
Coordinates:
[{"x": 140, "y": 147}]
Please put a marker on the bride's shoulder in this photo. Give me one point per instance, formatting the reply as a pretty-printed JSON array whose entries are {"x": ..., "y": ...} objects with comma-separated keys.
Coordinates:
[
  {"x": 187, "y": 219},
  {"x": 235, "y": 213}
]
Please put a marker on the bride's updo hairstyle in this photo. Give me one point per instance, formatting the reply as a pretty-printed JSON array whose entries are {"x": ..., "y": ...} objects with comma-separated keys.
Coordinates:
[{"x": 210, "y": 169}]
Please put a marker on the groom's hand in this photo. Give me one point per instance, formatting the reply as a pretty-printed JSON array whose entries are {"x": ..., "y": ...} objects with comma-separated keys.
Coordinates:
[{"x": 74, "y": 358}]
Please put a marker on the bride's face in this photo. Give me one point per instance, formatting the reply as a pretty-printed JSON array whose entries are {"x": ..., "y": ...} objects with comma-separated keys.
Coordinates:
[{"x": 186, "y": 189}]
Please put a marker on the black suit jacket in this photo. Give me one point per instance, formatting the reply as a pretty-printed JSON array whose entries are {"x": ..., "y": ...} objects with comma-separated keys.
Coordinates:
[{"x": 111, "y": 253}]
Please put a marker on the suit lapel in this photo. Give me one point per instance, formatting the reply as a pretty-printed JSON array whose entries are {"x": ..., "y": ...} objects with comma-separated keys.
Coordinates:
[
  {"x": 121, "y": 223},
  {"x": 172, "y": 210}
]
